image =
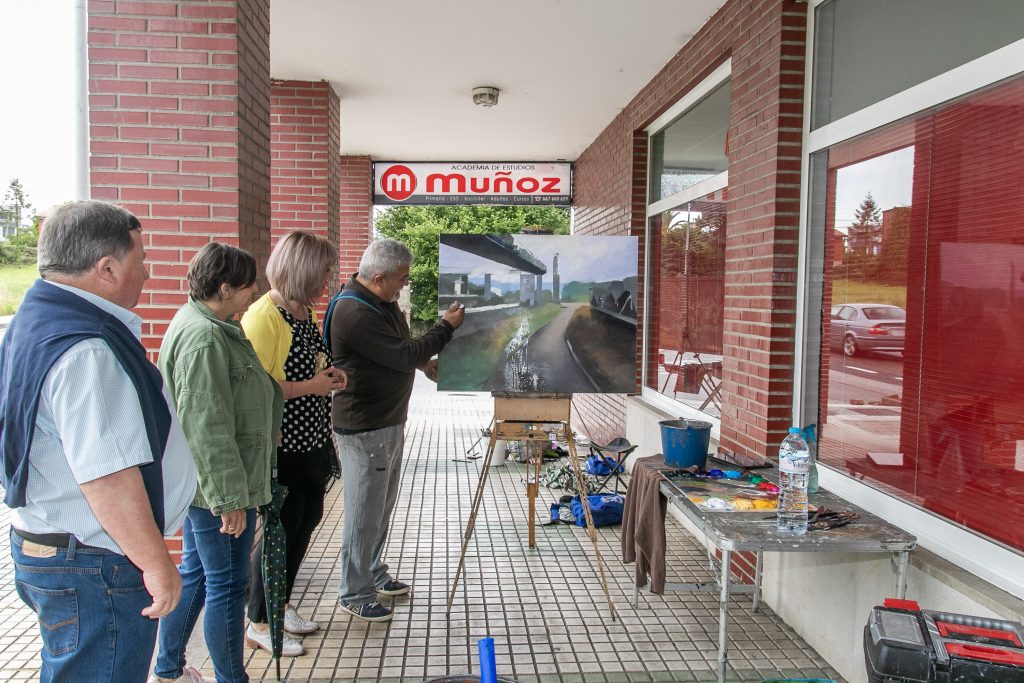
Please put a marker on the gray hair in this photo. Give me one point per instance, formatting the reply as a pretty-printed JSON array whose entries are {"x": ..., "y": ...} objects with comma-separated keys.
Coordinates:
[
  {"x": 384, "y": 257},
  {"x": 78, "y": 234}
]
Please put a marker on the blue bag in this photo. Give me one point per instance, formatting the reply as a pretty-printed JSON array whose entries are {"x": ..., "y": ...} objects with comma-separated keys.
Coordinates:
[
  {"x": 605, "y": 508},
  {"x": 601, "y": 465}
]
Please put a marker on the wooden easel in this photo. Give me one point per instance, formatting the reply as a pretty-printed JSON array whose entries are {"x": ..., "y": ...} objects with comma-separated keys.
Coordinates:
[{"x": 532, "y": 419}]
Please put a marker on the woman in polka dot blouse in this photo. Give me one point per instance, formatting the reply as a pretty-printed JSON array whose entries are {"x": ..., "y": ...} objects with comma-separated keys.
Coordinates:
[{"x": 283, "y": 329}]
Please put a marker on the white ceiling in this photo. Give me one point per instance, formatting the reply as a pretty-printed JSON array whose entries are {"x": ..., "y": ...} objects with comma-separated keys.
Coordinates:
[{"x": 405, "y": 69}]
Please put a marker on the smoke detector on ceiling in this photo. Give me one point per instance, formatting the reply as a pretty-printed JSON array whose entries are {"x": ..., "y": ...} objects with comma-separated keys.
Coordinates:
[{"x": 485, "y": 96}]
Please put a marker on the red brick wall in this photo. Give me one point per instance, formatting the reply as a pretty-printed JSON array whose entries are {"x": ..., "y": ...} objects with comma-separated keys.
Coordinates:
[
  {"x": 179, "y": 110},
  {"x": 304, "y": 166},
  {"x": 253, "y": 91},
  {"x": 356, "y": 211},
  {"x": 179, "y": 96},
  {"x": 765, "y": 39}
]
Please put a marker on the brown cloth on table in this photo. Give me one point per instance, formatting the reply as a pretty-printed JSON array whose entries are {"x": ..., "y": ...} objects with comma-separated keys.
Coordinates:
[{"x": 643, "y": 522}]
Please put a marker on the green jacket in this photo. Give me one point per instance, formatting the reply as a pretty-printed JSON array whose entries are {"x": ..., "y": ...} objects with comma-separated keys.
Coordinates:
[{"x": 228, "y": 405}]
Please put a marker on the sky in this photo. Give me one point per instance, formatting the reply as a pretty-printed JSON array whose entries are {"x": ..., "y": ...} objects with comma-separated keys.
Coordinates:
[
  {"x": 37, "y": 114},
  {"x": 889, "y": 178},
  {"x": 584, "y": 258}
]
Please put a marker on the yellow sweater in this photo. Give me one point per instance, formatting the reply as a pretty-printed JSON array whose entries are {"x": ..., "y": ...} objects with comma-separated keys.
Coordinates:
[{"x": 270, "y": 334}]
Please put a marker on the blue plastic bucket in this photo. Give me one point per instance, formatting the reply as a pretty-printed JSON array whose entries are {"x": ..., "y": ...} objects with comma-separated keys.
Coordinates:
[{"x": 685, "y": 442}]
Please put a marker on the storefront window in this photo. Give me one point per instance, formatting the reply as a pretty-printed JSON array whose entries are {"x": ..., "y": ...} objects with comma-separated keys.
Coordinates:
[
  {"x": 692, "y": 148},
  {"x": 921, "y": 375},
  {"x": 864, "y": 52},
  {"x": 686, "y": 300}
]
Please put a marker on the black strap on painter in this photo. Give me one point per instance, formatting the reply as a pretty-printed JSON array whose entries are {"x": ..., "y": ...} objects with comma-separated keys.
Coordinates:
[{"x": 343, "y": 294}]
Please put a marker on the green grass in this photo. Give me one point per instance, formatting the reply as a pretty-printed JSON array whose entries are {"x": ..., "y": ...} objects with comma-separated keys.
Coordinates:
[
  {"x": 14, "y": 282},
  {"x": 469, "y": 361},
  {"x": 855, "y": 292}
]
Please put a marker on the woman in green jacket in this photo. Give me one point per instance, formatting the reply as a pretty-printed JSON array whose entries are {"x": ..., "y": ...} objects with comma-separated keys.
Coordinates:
[{"x": 230, "y": 409}]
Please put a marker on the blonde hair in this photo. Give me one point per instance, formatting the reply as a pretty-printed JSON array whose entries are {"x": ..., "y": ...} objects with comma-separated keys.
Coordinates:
[{"x": 298, "y": 264}]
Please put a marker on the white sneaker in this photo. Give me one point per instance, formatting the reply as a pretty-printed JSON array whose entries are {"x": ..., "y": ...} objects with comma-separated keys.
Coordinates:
[
  {"x": 289, "y": 648},
  {"x": 189, "y": 674},
  {"x": 296, "y": 623}
]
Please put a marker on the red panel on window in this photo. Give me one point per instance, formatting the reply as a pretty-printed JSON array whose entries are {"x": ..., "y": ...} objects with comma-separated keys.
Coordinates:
[
  {"x": 686, "y": 290},
  {"x": 931, "y": 406}
]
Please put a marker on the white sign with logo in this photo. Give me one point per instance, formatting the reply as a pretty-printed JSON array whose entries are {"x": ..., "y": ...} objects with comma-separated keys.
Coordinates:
[{"x": 472, "y": 182}]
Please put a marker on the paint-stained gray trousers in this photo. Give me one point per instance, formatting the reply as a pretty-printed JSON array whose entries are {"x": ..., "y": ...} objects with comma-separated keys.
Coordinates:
[{"x": 371, "y": 467}]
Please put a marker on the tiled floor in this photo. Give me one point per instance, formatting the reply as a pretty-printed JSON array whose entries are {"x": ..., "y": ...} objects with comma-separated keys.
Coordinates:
[{"x": 544, "y": 607}]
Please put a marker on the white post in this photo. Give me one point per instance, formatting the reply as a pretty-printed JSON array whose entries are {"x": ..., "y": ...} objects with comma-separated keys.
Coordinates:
[{"x": 81, "y": 100}]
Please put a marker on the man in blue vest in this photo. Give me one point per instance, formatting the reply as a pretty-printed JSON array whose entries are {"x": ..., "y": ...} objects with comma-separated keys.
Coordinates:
[{"x": 96, "y": 467}]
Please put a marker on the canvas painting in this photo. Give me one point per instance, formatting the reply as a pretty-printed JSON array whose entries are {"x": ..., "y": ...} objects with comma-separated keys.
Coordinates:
[{"x": 544, "y": 313}]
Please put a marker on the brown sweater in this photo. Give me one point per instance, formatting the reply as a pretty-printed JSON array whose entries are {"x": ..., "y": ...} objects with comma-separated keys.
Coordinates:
[
  {"x": 371, "y": 342},
  {"x": 643, "y": 522}
]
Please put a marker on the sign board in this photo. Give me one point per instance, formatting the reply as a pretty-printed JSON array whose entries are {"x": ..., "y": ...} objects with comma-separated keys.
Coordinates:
[{"x": 472, "y": 182}]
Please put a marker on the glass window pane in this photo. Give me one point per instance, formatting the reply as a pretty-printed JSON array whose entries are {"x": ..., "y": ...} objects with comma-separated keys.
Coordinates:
[
  {"x": 686, "y": 302},
  {"x": 692, "y": 148},
  {"x": 864, "y": 53},
  {"x": 922, "y": 355}
]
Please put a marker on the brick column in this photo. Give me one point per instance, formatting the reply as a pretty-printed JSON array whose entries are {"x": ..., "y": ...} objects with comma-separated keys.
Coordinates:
[
  {"x": 356, "y": 211},
  {"x": 765, "y": 134},
  {"x": 179, "y": 108},
  {"x": 304, "y": 164}
]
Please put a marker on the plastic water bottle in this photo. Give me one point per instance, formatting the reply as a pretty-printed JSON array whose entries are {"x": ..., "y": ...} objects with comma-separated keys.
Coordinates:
[{"x": 794, "y": 466}]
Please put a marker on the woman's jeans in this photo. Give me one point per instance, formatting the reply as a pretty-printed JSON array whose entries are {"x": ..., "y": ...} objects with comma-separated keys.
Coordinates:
[
  {"x": 303, "y": 475},
  {"x": 214, "y": 572}
]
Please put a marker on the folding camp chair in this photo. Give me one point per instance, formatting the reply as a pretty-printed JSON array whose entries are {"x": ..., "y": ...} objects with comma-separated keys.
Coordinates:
[{"x": 617, "y": 451}]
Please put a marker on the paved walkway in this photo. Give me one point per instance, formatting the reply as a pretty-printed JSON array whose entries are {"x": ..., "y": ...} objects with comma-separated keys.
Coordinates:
[{"x": 543, "y": 607}]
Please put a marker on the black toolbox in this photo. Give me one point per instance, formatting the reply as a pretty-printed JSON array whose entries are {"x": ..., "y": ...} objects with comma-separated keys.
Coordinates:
[{"x": 905, "y": 644}]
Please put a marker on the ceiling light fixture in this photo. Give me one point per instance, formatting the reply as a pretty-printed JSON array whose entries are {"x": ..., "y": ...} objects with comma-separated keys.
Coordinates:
[{"x": 485, "y": 96}]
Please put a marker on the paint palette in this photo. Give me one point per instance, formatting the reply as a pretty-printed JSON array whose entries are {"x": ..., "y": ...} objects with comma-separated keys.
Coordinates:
[{"x": 724, "y": 495}]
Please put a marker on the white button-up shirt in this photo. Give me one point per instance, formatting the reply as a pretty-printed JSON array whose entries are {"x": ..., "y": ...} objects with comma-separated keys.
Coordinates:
[{"x": 90, "y": 425}]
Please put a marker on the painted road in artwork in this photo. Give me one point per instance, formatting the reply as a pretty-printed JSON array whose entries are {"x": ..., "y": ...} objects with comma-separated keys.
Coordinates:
[{"x": 544, "y": 313}]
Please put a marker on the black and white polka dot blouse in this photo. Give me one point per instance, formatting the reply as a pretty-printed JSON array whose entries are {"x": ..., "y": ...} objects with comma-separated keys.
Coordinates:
[{"x": 307, "y": 419}]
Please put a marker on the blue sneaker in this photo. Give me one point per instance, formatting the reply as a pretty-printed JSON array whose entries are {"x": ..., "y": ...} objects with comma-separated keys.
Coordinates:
[
  {"x": 394, "y": 587},
  {"x": 371, "y": 611}
]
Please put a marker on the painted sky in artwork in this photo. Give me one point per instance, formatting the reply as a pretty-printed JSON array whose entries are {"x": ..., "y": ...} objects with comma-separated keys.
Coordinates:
[{"x": 583, "y": 258}]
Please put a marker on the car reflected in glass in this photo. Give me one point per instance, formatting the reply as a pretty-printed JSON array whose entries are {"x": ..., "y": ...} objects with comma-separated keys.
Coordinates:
[{"x": 864, "y": 328}]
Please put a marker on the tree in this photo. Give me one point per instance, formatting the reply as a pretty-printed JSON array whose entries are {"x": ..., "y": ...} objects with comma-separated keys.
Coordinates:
[
  {"x": 865, "y": 233},
  {"x": 420, "y": 228},
  {"x": 14, "y": 208},
  {"x": 695, "y": 247}
]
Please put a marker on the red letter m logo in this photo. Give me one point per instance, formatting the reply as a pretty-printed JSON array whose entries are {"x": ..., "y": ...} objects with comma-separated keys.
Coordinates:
[{"x": 398, "y": 183}]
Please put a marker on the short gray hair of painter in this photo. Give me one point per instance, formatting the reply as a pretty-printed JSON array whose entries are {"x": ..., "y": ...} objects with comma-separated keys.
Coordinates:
[
  {"x": 384, "y": 257},
  {"x": 78, "y": 234}
]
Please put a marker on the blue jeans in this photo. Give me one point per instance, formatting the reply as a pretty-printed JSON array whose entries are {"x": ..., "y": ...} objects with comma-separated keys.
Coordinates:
[
  {"x": 214, "y": 572},
  {"x": 89, "y": 602}
]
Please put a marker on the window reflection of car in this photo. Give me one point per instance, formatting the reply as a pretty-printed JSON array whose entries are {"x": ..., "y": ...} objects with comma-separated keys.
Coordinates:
[{"x": 862, "y": 328}]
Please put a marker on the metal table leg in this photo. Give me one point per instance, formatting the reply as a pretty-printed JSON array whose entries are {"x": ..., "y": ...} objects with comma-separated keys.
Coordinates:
[
  {"x": 903, "y": 562},
  {"x": 757, "y": 581},
  {"x": 723, "y": 616}
]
